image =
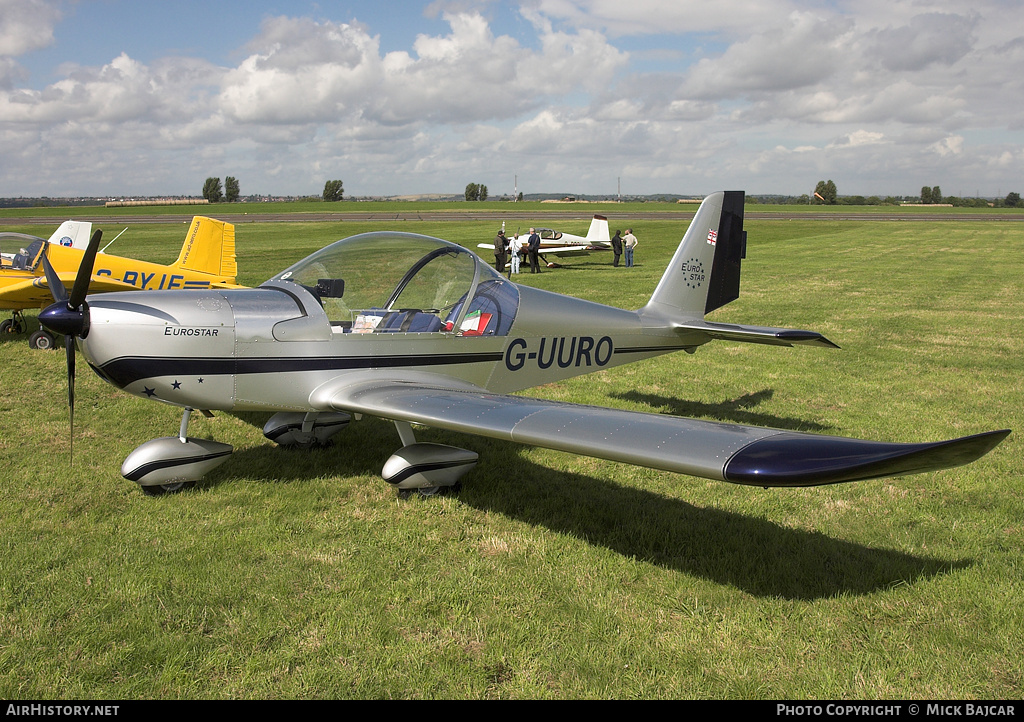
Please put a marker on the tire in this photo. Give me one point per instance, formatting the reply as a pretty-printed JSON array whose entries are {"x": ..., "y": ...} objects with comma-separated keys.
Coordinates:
[
  {"x": 172, "y": 488},
  {"x": 42, "y": 340}
]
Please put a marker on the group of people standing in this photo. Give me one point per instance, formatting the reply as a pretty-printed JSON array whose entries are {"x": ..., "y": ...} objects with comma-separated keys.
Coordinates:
[
  {"x": 516, "y": 247},
  {"x": 622, "y": 243},
  {"x": 503, "y": 247}
]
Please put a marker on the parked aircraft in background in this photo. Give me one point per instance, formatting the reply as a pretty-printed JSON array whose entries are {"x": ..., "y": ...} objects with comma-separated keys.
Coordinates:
[
  {"x": 207, "y": 260},
  {"x": 422, "y": 331},
  {"x": 69, "y": 233},
  {"x": 560, "y": 244}
]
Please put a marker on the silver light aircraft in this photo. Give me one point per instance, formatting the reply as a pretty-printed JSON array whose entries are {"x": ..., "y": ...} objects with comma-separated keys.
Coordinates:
[{"x": 418, "y": 330}]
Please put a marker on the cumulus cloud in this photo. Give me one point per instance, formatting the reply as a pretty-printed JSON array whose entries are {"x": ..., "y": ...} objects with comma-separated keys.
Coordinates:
[
  {"x": 747, "y": 93},
  {"x": 804, "y": 51},
  {"x": 26, "y": 25},
  {"x": 953, "y": 145},
  {"x": 332, "y": 72},
  {"x": 654, "y": 17},
  {"x": 302, "y": 72},
  {"x": 934, "y": 39},
  {"x": 859, "y": 138}
]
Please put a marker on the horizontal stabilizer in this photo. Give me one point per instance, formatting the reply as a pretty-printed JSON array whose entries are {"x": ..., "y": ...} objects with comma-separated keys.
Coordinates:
[{"x": 758, "y": 334}]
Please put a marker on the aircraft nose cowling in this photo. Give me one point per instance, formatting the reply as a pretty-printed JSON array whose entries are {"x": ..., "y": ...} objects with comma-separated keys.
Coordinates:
[
  {"x": 59, "y": 318},
  {"x": 176, "y": 346}
]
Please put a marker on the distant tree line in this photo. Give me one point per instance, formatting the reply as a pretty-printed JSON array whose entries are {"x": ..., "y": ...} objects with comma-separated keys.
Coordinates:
[
  {"x": 826, "y": 193},
  {"x": 933, "y": 195},
  {"x": 334, "y": 190}
]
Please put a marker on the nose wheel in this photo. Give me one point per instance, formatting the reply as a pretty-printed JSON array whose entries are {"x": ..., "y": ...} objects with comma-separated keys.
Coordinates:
[{"x": 42, "y": 340}]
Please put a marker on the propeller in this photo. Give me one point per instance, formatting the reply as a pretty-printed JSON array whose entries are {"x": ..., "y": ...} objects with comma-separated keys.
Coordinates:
[{"x": 69, "y": 315}]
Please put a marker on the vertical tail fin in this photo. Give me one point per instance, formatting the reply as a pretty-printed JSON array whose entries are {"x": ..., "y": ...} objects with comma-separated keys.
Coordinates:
[
  {"x": 209, "y": 248},
  {"x": 75, "y": 234},
  {"x": 598, "y": 230},
  {"x": 705, "y": 271}
]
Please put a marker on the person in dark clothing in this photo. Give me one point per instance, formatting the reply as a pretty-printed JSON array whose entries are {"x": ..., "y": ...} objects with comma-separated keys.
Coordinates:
[
  {"x": 533, "y": 249},
  {"x": 617, "y": 247},
  {"x": 500, "y": 251}
]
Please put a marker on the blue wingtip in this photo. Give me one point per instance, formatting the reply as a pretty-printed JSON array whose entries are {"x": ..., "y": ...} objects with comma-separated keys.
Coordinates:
[{"x": 810, "y": 460}]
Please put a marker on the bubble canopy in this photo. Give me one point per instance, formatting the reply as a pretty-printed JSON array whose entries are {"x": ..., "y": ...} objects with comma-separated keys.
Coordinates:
[{"x": 405, "y": 282}]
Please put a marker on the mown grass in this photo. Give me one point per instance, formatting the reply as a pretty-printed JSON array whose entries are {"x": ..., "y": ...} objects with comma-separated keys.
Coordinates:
[{"x": 301, "y": 575}]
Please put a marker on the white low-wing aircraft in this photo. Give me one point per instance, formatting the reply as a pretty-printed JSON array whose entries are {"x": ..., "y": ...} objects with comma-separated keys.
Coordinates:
[
  {"x": 559, "y": 243},
  {"x": 421, "y": 331}
]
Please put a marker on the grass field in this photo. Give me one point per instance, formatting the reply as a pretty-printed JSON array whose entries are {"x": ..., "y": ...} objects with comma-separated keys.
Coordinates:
[{"x": 292, "y": 574}]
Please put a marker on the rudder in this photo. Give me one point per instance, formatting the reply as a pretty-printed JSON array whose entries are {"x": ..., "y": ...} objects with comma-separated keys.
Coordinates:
[
  {"x": 209, "y": 248},
  {"x": 705, "y": 271}
]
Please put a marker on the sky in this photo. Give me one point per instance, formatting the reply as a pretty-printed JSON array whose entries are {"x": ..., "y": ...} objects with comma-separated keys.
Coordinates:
[{"x": 126, "y": 98}]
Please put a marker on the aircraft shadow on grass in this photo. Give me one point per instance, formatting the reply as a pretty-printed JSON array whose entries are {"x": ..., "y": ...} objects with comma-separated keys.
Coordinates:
[
  {"x": 737, "y": 410},
  {"x": 754, "y": 555}
]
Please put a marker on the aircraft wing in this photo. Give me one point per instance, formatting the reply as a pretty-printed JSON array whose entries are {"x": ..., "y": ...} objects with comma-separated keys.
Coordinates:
[
  {"x": 727, "y": 452},
  {"x": 36, "y": 291},
  {"x": 577, "y": 250},
  {"x": 566, "y": 251}
]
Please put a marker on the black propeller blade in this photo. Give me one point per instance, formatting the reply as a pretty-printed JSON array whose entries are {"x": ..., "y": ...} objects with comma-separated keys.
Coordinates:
[{"x": 69, "y": 315}]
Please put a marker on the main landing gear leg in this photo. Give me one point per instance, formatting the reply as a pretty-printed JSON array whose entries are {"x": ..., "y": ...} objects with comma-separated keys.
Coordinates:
[{"x": 13, "y": 325}]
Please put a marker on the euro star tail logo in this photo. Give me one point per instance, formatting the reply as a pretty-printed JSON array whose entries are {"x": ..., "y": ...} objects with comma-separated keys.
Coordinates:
[
  {"x": 712, "y": 237},
  {"x": 693, "y": 273}
]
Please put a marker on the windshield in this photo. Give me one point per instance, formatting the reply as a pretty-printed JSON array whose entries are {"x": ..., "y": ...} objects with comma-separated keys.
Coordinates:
[
  {"x": 403, "y": 282},
  {"x": 20, "y": 252}
]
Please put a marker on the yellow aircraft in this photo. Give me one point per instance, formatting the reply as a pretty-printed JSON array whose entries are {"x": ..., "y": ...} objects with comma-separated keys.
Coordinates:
[{"x": 207, "y": 260}]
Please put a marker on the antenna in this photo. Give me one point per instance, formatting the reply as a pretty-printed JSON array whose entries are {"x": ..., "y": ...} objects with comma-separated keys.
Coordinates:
[{"x": 104, "y": 249}]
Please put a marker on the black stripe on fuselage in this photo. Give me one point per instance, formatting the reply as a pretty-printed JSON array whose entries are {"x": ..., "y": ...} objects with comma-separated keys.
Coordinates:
[
  {"x": 652, "y": 349},
  {"x": 125, "y": 370}
]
